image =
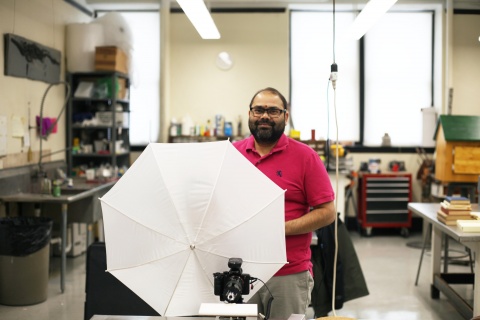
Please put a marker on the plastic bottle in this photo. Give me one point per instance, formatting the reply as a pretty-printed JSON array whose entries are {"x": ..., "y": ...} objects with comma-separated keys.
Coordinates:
[
  {"x": 173, "y": 127},
  {"x": 208, "y": 128},
  {"x": 386, "y": 142},
  {"x": 187, "y": 125}
]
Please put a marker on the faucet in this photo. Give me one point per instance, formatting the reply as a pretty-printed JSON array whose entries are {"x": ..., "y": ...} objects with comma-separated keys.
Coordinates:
[{"x": 41, "y": 173}]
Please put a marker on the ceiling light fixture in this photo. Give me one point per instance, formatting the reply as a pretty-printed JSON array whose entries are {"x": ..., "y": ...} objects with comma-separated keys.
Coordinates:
[
  {"x": 200, "y": 17},
  {"x": 370, "y": 14}
]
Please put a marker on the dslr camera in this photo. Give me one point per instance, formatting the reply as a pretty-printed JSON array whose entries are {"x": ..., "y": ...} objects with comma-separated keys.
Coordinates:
[{"x": 231, "y": 285}]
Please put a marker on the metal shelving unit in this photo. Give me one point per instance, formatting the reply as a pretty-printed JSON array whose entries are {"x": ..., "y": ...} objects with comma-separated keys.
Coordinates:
[{"x": 106, "y": 110}]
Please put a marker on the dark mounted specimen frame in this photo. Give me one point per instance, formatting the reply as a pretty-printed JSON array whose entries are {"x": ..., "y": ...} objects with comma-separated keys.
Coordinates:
[{"x": 28, "y": 59}]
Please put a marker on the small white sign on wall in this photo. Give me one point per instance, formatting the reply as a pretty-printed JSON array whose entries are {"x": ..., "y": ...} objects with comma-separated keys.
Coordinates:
[
  {"x": 18, "y": 130},
  {"x": 3, "y": 136}
]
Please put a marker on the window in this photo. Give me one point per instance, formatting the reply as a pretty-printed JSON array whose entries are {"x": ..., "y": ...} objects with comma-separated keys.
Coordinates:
[
  {"x": 398, "y": 77},
  {"x": 145, "y": 78},
  {"x": 144, "y": 92},
  {"x": 397, "y": 81},
  {"x": 311, "y": 38}
]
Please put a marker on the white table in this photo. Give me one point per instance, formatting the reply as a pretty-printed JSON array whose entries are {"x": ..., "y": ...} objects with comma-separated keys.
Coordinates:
[{"x": 440, "y": 281}]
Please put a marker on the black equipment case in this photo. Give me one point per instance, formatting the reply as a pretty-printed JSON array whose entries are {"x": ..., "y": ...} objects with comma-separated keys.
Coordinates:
[{"x": 105, "y": 294}]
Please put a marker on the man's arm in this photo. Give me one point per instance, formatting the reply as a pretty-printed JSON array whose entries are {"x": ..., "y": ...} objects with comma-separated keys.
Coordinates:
[{"x": 321, "y": 216}]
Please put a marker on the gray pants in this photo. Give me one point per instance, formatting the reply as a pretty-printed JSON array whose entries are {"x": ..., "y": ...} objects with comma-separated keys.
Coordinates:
[{"x": 291, "y": 295}]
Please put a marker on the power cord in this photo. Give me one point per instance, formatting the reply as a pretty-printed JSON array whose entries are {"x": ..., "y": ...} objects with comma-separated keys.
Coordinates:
[
  {"x": 333, "y": 79},
  {"x": 270, "y": 300}
]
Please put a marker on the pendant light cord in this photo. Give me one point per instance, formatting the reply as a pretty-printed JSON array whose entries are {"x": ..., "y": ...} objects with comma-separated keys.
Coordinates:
[{"x": 333, "y": 78}]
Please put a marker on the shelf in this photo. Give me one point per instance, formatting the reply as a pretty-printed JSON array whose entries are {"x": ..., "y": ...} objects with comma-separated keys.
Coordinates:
[
  {"x": 98, "y": 155},
  {"x": 386, "y": 211},
  {"x": 108, "y": 100},
  {"x": 112, "y": 125},
  {"x": 187, "y": 139},
  {"x": 80, "y": 127}
]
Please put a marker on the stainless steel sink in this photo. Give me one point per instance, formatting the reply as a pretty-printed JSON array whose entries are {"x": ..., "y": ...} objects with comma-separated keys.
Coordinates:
[{"x": 72, "y": 191}]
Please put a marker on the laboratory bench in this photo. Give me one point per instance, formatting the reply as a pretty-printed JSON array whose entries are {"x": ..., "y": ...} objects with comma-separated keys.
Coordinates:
[
  {"x": 442, "y": 281},
  {"x": 75, "y": 204}
]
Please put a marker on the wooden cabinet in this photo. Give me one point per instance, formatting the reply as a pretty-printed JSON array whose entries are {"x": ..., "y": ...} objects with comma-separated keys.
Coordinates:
[
  {"x": 457, "y": 149},
  {"x": 383, "y": 201},
  {"x": 98, "y": 116}
]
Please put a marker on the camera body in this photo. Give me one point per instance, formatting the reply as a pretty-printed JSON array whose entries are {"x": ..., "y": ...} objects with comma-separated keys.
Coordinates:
[{"x": 231, "y": 285}]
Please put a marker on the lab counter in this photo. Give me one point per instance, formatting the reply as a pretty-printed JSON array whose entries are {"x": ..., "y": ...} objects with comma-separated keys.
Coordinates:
[
  {"x": 116, "y": 317},
  {"x": 75, "y": 204},
  {"x": 441, "y": 281},
  {"x": 80, "y": 190}
]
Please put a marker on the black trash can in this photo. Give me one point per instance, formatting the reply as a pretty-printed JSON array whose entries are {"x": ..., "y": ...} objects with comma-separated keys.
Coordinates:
[{"x": 24, "y": 260}]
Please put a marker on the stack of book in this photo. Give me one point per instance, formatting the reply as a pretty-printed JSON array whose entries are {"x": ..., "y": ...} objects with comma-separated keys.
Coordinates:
[{"x": 453, "y": 209}]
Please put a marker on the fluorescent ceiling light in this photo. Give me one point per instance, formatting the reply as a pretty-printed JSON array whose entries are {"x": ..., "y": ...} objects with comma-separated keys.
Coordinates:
[
  {"x": 370, "y": 14},
  {"x": 200, "y": 17}
]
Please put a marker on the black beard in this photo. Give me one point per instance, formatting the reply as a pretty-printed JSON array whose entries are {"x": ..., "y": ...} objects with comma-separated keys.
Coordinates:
[{"x": 266, "y": 136}]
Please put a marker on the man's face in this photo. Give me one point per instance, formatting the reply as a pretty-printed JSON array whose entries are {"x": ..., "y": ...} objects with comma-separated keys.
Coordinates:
[{"x": 267, "y": 129}]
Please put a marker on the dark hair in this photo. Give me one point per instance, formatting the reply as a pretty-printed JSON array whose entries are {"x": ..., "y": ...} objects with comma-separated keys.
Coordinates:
[{"x": 275, "y": 92}]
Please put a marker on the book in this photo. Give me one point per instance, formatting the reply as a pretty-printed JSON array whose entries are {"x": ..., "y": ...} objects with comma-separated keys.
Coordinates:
[
  {"x": 454, "y": 211},
  {"x": 469, "y": 225},
  {"x": 454, "y": 217},
  {"x": 446, "y": 207},
  {"x": 447, "y": 222},
  {"x": 457, "y": 200},
  {"x": 475, "y": 215}
]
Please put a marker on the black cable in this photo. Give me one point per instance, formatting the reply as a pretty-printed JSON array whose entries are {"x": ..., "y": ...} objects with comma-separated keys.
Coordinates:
[
  {"x": 269, "y": 303},
  {"x": 334, "y": 31},
  {"x": 333, "y": 67}
]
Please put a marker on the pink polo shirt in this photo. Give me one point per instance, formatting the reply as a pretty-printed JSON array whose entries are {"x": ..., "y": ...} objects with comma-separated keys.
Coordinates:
[{"x": 296, "y": 168}]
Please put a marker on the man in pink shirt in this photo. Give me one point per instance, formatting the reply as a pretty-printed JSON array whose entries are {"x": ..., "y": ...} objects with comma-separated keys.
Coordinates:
[{"x": 296, "y": 168}]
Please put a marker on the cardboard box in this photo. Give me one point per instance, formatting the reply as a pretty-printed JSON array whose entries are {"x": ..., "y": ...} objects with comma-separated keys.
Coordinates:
[
  {"x": 110, "y": 59},
  {"x": 122, "y": 89}
]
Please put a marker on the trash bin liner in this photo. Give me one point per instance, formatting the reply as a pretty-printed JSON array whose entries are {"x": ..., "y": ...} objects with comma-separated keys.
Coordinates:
[
  {"x": 24, "y": 259},
  {"x": 21, "y": 236}
]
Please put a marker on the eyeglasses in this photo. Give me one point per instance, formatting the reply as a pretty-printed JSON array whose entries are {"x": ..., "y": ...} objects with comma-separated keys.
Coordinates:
[{"x": 273, "y": 112}]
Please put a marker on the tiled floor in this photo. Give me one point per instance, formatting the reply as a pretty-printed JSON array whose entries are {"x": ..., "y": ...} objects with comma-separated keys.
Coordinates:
[{"x": 389, "y": 264}]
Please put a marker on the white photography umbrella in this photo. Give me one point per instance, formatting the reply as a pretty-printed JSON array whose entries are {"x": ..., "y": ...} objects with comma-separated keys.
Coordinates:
[{"x": 180, "y": 213}]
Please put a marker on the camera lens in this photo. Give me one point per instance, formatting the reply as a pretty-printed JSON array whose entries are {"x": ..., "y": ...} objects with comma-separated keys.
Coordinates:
[{"x": 233, "y": 289}]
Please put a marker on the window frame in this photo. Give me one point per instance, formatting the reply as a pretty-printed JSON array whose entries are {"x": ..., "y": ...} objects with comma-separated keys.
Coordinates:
[
  {"x": 358, "y": 146},
  {"x": 140, "y": 145}
]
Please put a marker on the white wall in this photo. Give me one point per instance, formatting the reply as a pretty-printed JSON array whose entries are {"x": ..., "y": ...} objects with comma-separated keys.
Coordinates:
[
  {"x": 466, "y": 65},
  {"x": 259, "y": 45},
  {"x": 42, "y": 21}
]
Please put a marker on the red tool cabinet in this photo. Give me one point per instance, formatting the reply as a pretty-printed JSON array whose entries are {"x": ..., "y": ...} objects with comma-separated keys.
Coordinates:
[{"x": 383, "y": 202}]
